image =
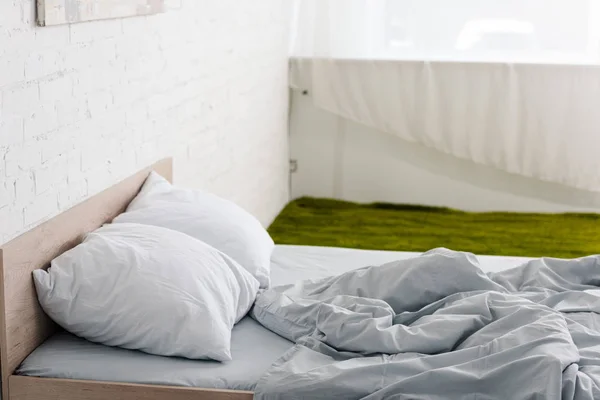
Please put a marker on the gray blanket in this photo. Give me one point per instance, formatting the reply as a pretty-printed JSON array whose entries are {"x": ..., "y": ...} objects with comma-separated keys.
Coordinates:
[{"x": 437, "y": 327}]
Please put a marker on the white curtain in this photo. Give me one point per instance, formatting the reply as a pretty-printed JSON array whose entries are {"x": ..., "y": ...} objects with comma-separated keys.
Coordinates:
[{"x": 509, "y": 84}]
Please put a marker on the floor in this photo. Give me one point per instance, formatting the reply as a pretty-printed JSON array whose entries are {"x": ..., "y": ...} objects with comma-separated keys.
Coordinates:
[{"x": 326, "y": 222}]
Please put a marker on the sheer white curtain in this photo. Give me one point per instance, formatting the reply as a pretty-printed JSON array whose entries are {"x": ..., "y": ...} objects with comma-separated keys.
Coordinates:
[
  {"x": 552, "y": 31},
  {"x": 509, "y": 84}
]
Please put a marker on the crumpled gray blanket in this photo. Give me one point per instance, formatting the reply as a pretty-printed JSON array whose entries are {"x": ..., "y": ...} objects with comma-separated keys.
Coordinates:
[{"x": 437, "y": 327}]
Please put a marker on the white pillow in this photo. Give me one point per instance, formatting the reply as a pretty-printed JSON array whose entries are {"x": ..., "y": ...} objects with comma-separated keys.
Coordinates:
[
  {"x": 216, "y": 221},
  {"x": 148, "y": 288}
]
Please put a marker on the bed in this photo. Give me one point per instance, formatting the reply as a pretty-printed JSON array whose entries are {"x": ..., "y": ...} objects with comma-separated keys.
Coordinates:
[
  {"x": 41, "y": 362},
  {"x": 254, "y": 347}
]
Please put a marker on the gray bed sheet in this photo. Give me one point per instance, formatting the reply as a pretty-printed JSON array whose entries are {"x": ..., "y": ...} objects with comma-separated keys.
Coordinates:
[
  {"x": 254, "y": 348},
  {"x": 388, "y": 332}
]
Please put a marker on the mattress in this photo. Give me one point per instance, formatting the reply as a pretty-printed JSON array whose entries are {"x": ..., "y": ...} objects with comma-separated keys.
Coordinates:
[{"x": 254, "y": 348}]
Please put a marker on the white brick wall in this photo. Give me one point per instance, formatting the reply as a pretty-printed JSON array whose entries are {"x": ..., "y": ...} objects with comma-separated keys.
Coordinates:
[{"x": 86, "y": 105}]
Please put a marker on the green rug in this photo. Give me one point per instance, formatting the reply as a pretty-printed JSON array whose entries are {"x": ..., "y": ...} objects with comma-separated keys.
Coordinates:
[{"x": 323, "y": 222}]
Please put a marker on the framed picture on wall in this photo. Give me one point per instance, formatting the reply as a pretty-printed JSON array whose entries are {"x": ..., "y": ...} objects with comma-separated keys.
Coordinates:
[{"x": 58, "y": 12}]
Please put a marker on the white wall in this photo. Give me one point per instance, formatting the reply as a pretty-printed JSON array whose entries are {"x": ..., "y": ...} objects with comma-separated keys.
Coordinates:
[
  {"x": 342, "y": 159},
  {"x": 85, "y": 105}
]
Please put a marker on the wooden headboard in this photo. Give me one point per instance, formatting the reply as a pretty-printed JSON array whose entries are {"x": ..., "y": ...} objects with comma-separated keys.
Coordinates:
[{"x": 23, "y": 323}]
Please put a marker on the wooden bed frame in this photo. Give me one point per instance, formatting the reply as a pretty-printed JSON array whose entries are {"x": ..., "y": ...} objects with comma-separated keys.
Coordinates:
[{"x": 24, "y": 326}]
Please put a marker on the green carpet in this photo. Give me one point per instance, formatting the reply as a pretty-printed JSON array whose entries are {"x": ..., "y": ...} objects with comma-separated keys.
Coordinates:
[{"x": 323, "y": 222}]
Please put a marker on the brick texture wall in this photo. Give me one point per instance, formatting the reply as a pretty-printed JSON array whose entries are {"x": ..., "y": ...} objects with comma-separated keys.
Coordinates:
[{"x": 85, "y": 105}]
